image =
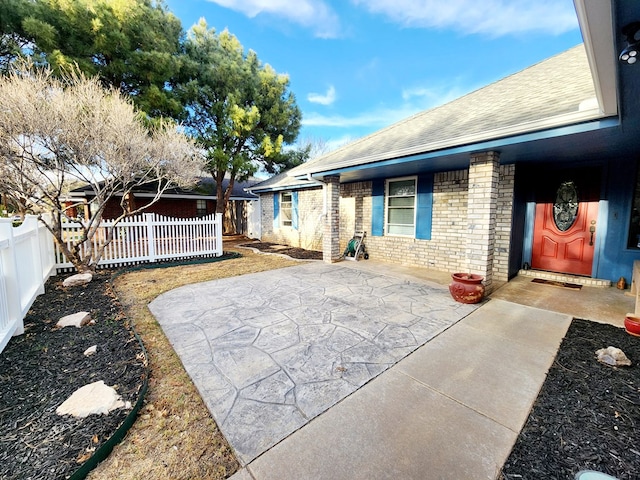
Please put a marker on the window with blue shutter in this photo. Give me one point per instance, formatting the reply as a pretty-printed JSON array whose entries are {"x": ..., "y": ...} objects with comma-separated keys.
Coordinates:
[
  {"x": 276, "y": 211},
  {"x": 294, "y": 210},
  {"x": 377, "y": 208},
  {"x": 424, "y": 207}
]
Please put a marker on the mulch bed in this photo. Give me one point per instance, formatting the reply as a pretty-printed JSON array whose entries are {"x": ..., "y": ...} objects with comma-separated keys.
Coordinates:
[
  {"x": 43, "y": 367},
  {"x": 587, "y": 416},
  {"x": 293, "y": 252}
]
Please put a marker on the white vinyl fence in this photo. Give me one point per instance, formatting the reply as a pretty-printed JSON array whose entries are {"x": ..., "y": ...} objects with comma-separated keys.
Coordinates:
[
  {"x": 26, "y": 262},
  {"x": 28, "y": 255},
  {"x": 149, "y": 238}
]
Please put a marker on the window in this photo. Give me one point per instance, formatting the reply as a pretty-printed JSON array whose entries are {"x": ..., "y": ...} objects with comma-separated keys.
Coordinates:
[
  {"x": 286, "y": 204},
  {"x": 401, "y": 206},
  {"x": 201, "y": 208}
]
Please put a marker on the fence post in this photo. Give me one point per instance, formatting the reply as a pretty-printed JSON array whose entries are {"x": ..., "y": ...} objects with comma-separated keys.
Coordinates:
[
  {"x": 12, "y": 282},
  {"x": 39, "y": 264},
  {"x": 151, "y": 237},
  {"x": 218, "y": 233}
]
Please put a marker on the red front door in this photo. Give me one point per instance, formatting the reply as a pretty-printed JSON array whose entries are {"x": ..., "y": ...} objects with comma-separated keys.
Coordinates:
[{"x": 568, "y": 251}]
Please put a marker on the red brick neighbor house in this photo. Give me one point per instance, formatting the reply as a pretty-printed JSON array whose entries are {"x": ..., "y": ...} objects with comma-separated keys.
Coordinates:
[
  {"x": 538, "y": 170},
  {"x": 178, "y": 203}
]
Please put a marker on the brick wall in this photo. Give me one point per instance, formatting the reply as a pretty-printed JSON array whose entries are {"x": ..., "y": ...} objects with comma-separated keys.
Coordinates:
[
  {"x": 504, "y": 218},
  {"x": 310, "y": 221},
  {"x": 446, "y": 251},
  {"x": 169, "y": 207}
]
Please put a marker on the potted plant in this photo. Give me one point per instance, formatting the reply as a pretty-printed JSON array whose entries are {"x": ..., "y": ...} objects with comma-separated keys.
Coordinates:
[{"x": 467, "y": 287}]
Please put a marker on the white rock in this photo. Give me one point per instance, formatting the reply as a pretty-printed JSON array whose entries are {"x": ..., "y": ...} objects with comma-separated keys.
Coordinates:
[
  {"x": 78, "y": 320},
  {"x": 90, "y": 351},
  {"x": 613, "y": 356},
  {"x": 93, "y": 399},
  {"x": 77, "y": 279}
]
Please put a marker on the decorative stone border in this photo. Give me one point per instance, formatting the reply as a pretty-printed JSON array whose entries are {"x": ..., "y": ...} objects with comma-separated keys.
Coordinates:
[{"x": 105, "y": 449}]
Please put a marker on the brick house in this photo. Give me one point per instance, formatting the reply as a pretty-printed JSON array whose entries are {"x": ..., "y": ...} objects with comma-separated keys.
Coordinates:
[
  {"x": 538, "y": 169},
  {"x": 177, "y": 202}
]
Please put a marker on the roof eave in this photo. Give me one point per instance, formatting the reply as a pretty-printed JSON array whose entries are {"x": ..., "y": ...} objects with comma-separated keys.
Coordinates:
[
  {"x": 597, "y": 25},
  {"x": 468, "y": 141}
]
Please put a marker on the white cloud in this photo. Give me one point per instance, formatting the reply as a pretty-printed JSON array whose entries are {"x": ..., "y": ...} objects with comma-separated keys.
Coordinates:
[
  {"x": 489, "y": 17},
  {"x": 326, "y": 99},
  {"x": 414, "y": 100},
  {"x": 313, "y": 14},
  {"x": 376, "y": 118},
  {"x": 428, "y": 97}
]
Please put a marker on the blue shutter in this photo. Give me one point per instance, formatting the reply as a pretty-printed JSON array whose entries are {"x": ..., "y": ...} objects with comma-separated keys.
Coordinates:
[
  {"x": 294, "y": 210},
  {"x": 424, "y": 207},
  {"x": 276, "y": 210},
  {"x": 377, "y": 208}
]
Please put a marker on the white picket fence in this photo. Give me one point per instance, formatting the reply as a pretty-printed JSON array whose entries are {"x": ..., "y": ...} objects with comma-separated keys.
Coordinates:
[
  {"x": 149, "y": 238},
  {"x": 26, "y": 262},
  {"x": 28, "y": 255}
]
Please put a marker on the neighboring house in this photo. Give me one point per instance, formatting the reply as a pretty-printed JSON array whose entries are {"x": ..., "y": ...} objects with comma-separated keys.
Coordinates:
[
  {"x": 178, "y": 203},
  {"x": 539, "y": 168}
]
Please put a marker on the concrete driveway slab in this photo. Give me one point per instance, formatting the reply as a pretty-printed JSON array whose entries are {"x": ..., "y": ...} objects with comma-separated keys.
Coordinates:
[
  {"x": 489, "y": 364},
  {"x": 283, "y": 346},
  {"x": 393, "y": 428}
]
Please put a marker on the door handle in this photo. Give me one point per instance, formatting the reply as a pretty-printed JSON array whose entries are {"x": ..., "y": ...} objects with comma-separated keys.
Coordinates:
[{"x": 592, "y": 230}]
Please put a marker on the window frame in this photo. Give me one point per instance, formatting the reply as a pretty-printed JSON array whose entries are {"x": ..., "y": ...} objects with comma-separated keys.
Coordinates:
[
  {"x": 201, "y": 212},
  {"x": 286, "y": 205},
  {"x": 387, "y": 206}
]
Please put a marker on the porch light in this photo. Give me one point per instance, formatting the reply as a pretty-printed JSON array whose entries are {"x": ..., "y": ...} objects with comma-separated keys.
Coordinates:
[{"x": 629, "y": 54}]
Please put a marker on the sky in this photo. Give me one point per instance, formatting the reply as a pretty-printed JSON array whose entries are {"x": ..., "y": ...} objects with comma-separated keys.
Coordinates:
[{"x": 356, "y": 66}]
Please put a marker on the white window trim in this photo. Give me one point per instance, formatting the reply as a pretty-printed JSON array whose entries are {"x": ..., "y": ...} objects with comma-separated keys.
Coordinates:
[
  {"x": 386, "y": 206},
  {"x": 282, "y": 202}
]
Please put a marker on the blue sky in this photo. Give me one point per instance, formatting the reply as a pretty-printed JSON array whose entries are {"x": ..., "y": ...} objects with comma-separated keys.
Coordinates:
[{"x": 357, "y": 66}]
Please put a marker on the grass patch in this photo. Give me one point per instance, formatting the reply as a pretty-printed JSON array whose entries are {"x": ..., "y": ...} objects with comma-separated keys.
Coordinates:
[{"x": 174, "y": 436}]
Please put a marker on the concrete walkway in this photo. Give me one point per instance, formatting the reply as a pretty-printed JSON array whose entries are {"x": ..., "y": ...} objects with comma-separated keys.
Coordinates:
[{"x": 271, "y": 352}]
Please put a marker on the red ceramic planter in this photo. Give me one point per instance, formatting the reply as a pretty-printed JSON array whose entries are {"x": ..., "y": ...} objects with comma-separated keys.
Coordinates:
[
  {"x": 466, "y": 287},
  {"x": 632, "y": 324}
]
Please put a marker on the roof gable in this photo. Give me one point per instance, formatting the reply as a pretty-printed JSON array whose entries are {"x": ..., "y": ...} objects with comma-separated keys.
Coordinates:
[{"x": 556, "y": 91}]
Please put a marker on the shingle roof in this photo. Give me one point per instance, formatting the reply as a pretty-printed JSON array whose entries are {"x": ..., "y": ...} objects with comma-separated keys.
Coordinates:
[
  {"x": 205, "y": 187},
  {"x": 280, "y": 182},
  {"x": 551, "y": 91}
]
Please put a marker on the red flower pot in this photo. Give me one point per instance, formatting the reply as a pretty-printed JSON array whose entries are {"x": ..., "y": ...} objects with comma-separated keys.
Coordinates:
[
  {"x": 466, "y": 287},
  {"x": 632, "y": 324}
]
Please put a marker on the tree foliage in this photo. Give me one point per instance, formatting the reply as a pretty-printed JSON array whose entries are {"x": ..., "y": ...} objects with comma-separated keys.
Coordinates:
[
  {"x": 133, "y": 45},
  {"x": 55, "y": 131},
  {"x": 240, "y": 111}
]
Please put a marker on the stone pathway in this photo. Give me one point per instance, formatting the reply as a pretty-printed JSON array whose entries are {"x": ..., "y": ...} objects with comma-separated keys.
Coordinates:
[{"x": 270, "y": 351}]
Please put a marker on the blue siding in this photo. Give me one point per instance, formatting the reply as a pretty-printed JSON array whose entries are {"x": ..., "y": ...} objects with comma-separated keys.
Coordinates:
[
  {"x": 377, "y": 208},
  {"x": 616, "y": 259},
  {"x": 424, "y": 210}
]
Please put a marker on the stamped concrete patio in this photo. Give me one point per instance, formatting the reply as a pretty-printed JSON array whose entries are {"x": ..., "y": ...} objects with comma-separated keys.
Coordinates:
[{"x": 270, "y": 351}]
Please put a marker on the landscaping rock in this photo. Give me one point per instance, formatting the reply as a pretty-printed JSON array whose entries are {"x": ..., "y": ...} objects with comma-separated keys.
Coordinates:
[
  {"x": 90, "y": 351},
  {"x": 77, "y": 280},
  {"x": 613, "y": 356},
  {"x": 92, "y": 399},
  {"x": 78, "y": 320}
]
